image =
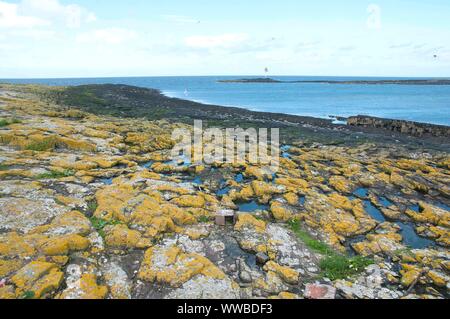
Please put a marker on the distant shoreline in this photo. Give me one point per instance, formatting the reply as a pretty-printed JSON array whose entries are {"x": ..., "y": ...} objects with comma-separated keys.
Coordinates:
[
  {"x": 139, "y": 102},
  {"x": 363, "y": 82}
]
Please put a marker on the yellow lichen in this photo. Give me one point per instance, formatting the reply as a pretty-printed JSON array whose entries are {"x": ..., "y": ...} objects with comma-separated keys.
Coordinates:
[
  {"x": 248, "y": 221},
  {"x": 289, "y": 275}
]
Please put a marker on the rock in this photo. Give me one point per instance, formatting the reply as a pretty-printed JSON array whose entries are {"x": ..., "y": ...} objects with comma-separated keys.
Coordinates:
[
  {"x": 287, "y": 296},
  {"x": 262, "y": 258},
  {"x": 59, "y": 168},
  {"x": 318, "y": 291},
  {"x": 190, "y": 201},
  {"x": 351, "y": 290},
  {"x": 341, "y": 184},
  {"x": 404, "y": 127},
  {"x": 37, "y": 279},
  {"x": 63, "y": 245},
  {"x": 281, "y": 211},
  {"x": 23, "y": 214},
  {"x": 7, "y": 292},
  {"x": 248, "y": 221},
  {"x": 204, "y": 287},
  {"x": 170, "y": 265},
  {"x": 439, "y": 278},
  {"x": 82, "y": 285},
  {"x": 289, "y": 275},
  {"x": 117, "y": 280},
  {"x": 120, "y": 236},
  {"x": 245, "y": 277}
]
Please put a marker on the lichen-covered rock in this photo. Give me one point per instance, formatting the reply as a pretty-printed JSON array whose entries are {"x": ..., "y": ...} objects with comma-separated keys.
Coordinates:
[
  {"x": 204, "y": 287},
  {"x": 289, "y": 275},
  {"x": 246, "y": 221},
  {"x": 170, "y": 265},
  {"x": 82, "y": 196},
  {"x": 57, "y": 246},
  {"x": 120, "y": 236},
  {"x": 190, "y": 201},
  {"x": 82, "y": 285},
  {"x": 281, "y": 211},
  {"x": 37, "y": 279},
  {"x": 117, "y": 280},
  {"x": 341, "y": 184},
  {"x": 23, "y": 214}
]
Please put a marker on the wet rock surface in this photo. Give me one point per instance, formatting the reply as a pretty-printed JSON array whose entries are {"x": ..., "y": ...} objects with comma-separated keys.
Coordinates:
[{"x": 93, "y": 207}]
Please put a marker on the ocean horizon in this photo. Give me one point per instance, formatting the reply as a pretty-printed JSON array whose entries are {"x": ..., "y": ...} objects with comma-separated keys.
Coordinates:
[{"x": 420, "y": 103}]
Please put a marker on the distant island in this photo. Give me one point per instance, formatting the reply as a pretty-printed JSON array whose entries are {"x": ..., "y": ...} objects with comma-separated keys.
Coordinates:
[
  {"x": 374, "y": 82},
  {"x": 256, "y": 80}
]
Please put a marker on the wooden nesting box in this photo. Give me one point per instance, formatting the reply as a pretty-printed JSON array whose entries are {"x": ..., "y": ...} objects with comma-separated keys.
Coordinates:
[{"x": 226, "y": 217}]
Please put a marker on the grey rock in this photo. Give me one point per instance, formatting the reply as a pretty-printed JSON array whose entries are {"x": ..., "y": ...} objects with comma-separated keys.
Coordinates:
[
  {"x": 245, "y": 277},
  {"x": 262, "y": 258}
]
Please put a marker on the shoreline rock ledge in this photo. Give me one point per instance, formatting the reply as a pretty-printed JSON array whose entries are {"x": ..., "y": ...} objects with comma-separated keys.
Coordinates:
[{"x": 400, "y": 126}]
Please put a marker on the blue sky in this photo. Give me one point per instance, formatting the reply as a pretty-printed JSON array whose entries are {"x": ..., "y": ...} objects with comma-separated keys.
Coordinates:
[{"x": 84, "y": 38}]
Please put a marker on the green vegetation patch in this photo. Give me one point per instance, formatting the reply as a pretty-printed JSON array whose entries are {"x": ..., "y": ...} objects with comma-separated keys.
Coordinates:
[
  {"x": 309, "y": 241},
  {"x": 4, "y": 167},
  {"x": 28, "y": 295},
  {"x": 334, "y": 265},
  {"x": 99, "y": 224},
  {"x": 5, "y": 122},
  {"x": 56, "y": 174},
  {"x": 42, "y": 146},
  {"x": 92, "y": 206},
  {"x": 340, "y": 267},
  {"x": 203, "y": 219}
]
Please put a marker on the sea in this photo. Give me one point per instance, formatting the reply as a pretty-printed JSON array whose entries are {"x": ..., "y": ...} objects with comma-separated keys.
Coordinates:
[{"x": 420, "y": 103}]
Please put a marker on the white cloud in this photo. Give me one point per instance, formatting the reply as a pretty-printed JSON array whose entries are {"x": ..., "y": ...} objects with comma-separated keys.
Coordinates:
[
  {"x": 36, "y": 34},
  {"x": 11, "y": 18},
  {"x": 72, "y": 15},
  {"x": 111, "y": 36},
  {"x": 224, "y": 41}
]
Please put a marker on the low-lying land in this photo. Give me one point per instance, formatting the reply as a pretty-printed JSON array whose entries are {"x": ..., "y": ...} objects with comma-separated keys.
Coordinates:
[
  {"x": 364, "y": 82},
  {"x": 92, "y": 206}
]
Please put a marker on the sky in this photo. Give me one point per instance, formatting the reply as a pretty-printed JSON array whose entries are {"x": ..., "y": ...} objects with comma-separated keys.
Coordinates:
[{"x": 107, "y": 38}]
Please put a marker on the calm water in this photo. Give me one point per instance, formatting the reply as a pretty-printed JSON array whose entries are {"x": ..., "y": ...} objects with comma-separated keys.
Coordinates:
[{"x": 429, "y": 104}]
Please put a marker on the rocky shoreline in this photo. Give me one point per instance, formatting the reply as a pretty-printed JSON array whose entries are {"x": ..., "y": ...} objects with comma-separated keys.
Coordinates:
[
  {"x": 92, "y": 206},
  {"x": 400, "y": 126},
  {"x": 135, "y": 102}
]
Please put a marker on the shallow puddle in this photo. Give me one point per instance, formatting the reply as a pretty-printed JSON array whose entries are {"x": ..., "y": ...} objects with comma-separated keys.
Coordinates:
[
  {"x": 385, "y": 202},
  {"x": 180, "y": 161},
  {"x": 197, "y": 181},
  {"x": 361, "y": 192},
  {"x": 285, "y": 151},
  {"x": 411, "y": 239},
  {"x": 223, "y": 191},
  {"x": 415, "y": 208},
  {"x": 374, "y": 212},
  {"x": 147, "y": 164},
  {"x": 106, "y": 181},
  {"x": 252, "y": 206},
  {"x": 302, "y": 200}
]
